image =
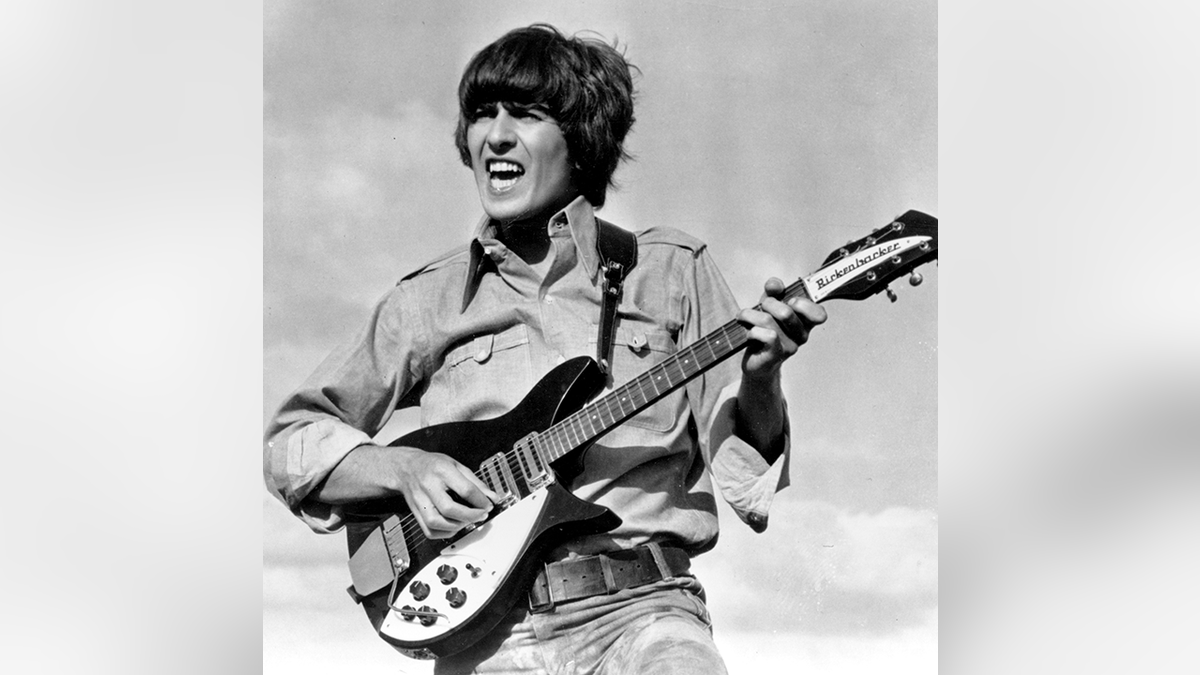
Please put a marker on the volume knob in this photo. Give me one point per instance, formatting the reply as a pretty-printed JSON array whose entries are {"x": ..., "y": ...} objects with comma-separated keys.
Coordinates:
[
  {"x": 419, "y": 590},
  {"x": 447, "y": 574},
  {"x": 456, "y": 597}
]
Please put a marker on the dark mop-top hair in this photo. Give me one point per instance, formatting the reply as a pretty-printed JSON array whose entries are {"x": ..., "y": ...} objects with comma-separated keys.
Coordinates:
[{"x": 585, "y": 84}]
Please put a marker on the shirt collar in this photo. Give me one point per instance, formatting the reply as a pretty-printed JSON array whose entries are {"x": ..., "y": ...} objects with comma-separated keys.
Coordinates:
[{"x": 579, "y": 219}]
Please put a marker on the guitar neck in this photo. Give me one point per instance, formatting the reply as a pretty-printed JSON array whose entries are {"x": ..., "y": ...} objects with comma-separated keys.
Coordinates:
[{"x": 610, "y": 411}]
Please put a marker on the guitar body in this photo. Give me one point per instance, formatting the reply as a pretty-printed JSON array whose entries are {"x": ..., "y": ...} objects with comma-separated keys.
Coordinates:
[{"x": 456, "y": 590}]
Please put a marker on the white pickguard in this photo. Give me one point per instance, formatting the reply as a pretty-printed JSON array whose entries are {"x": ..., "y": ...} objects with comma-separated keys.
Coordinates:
[{"x": 493, "y": 548}]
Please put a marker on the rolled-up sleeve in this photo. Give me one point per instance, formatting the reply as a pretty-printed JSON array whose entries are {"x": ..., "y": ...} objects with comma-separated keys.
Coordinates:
[
  {"x": 338, "y": 408},
  {"x": 745, "y": 479}
]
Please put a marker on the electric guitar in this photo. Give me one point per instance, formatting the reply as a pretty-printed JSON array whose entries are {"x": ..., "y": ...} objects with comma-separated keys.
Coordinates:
[{"x": 431, "y": 598}]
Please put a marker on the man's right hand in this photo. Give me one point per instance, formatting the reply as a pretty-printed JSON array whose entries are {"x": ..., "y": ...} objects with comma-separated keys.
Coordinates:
[{"x": 443, "y": 495}]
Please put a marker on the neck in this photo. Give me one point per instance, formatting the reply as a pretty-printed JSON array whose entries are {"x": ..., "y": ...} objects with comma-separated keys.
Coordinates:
[{"x": 528, "y": 239}]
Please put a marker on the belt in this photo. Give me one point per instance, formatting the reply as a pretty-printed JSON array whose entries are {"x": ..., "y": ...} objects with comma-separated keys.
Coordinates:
[{"x": 605, "y": 573}]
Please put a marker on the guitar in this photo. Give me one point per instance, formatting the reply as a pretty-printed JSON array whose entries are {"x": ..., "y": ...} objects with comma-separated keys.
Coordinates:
[{"x": 431, "y": 598}]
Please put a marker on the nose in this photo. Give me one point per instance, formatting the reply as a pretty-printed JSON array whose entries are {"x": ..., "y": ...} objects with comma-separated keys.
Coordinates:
[{"x": 501, "y": 135}]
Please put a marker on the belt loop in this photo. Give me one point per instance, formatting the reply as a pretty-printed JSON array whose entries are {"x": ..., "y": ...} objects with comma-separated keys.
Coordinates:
[
  {"x": 541, "y": 584},
  {"x": 610, "y": 583},
  {"x": 660, "y": 560}
]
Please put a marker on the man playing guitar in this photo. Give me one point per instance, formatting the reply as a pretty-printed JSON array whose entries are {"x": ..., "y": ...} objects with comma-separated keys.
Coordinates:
[{"x": 543, "y": 118}]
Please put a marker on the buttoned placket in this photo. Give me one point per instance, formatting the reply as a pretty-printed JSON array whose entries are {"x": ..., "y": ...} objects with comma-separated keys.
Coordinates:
[{"x": 556, "y": 320}]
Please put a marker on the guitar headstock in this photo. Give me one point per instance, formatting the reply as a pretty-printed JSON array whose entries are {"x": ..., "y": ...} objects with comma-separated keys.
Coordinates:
[{"x": 866, "y": 266}]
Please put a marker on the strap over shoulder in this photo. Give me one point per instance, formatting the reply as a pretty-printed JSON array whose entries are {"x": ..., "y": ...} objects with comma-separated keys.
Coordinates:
[
  {"x": 616, "y": 245},
  {"x": 618, "y": 255}
]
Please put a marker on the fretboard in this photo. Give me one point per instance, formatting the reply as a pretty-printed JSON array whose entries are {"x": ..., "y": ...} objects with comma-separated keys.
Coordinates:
[{"x": 605, "y": 413}]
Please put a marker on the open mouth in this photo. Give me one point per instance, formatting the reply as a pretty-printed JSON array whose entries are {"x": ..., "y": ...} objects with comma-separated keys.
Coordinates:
[{"x": 503, "y": 174}]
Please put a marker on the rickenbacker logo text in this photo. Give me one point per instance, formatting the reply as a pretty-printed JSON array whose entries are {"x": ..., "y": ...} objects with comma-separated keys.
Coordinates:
[{"x": 846, "y": 267}]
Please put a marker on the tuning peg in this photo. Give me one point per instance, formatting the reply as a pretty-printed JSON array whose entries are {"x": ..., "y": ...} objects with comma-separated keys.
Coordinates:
[
  {"x": 915, "y": 279},
  {"x": 890, "y": 293}
]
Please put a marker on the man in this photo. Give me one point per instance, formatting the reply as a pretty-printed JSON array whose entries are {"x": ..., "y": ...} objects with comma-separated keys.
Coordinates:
[{"x": 542, "y": 121}]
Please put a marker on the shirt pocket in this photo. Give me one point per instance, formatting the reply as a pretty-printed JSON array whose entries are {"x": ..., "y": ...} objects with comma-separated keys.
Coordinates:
[
  {"x": 637, "y": 349},
  {"x": 483, "y": 377}
]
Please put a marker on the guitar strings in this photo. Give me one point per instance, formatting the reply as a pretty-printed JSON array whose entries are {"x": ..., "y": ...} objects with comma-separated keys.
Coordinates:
[{"x": 570, "y": 432}]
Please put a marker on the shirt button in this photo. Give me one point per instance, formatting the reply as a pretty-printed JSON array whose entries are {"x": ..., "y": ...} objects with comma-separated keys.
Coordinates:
[{"x": 549, "y": 301}]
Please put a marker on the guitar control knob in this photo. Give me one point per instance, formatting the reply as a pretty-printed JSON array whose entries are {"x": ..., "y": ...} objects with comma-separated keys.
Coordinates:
[
  {"x": 447, "y": 574},
  {"x": 419, "y": 590},
  {"x": 408, "y": 613},
  {"x": 915, "y": 279},
  {"x": 456, "y": 597},
  {"x": 428, "y": 616}
]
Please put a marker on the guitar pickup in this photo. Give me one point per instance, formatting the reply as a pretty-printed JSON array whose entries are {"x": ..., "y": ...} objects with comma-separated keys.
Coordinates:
[
  {"x": 497, "y": 475},
  {"x": 536, "y": 472}
]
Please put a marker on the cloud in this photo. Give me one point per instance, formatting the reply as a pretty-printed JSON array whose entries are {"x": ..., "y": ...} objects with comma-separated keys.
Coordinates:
[
  {"x": 821, "y": 569},
  {"x": 890, "y": 553},
  {"x": 347, "y": 207},
  {"x": 913, "y": 649}
]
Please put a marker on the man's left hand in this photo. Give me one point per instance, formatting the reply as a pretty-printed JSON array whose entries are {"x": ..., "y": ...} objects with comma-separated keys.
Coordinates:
[{"x": 777, "y": 330}]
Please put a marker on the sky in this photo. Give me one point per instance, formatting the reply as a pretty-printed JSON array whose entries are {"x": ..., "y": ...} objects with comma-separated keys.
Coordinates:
[{"x": 775, "y": 132}]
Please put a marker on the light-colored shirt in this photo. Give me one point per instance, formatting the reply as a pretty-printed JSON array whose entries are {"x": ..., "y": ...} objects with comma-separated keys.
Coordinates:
[{"x": 468, "y": 335}]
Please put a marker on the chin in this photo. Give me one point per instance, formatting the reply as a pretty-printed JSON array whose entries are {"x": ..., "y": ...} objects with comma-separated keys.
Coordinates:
[{"x": 504, "y": 212}]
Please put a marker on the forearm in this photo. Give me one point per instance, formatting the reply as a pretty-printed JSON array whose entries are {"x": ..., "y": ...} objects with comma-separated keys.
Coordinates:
[
  {"x": 367, "y": 472},
  {"x": 762, "y": 415}
]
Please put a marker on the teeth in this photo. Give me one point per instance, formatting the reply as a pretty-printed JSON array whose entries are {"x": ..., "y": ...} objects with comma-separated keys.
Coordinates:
[
  {"x": 499, "y": 165},
  {"x": 503, "y": 174},
  {"x": 503, "y": 166}
]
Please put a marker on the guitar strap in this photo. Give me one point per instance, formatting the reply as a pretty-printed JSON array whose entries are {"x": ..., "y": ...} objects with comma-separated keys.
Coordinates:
[{"x": 618, "y": 255}]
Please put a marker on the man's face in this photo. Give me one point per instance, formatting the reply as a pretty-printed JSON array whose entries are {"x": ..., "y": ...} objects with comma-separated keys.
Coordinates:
[{"x": 519, "y": 157}]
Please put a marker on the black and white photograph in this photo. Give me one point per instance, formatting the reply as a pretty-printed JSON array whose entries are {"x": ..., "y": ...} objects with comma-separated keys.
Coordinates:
[{"x": 446, "y": 187}]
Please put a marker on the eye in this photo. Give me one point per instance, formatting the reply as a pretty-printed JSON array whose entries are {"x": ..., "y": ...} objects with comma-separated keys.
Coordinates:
[
  {"x": 486, "y": 110},
  {"x": 529, "y": 112}
]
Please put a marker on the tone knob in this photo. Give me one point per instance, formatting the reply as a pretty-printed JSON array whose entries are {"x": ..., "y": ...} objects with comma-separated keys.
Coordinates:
[
  {"x": 408, "y": 612},
  {"x": 428, "y": 616},
  {"x": 447, "y": 574},
  {"x": 419, "y": 590},
  {"x": 456, "y": 597}
]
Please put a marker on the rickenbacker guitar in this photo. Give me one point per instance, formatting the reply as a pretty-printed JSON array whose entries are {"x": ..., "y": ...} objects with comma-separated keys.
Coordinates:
[{"x": 434, "y": 597}]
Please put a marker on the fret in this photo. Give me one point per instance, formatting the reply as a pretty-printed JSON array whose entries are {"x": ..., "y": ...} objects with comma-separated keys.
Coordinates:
[
  {"x": 628, "y": 401},
  {"x": 607, "y": 403},
  {"x": 689, "y": 366},
  {"x": 623, "y": 402},
  {"x": 656, "y": 376},
  {"x": 704, "y": 352},
  {"x": 569, "y": 433},
  {"x": 674, "y": 370},
  {"x": 553, "y": 447}
]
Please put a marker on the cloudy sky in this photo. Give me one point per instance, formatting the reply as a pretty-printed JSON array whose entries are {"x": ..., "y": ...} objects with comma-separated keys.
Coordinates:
[{"x": 774, "y": 131}]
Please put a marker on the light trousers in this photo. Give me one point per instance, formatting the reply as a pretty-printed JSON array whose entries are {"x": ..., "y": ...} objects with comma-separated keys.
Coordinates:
[{"x": 658, "y": 629}]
